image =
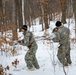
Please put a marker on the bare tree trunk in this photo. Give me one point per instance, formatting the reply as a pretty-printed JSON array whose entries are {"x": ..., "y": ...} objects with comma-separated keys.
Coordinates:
[
  {"x": 74, "y": 10},
  {"x": 46, "y": 14},
  {"x": 69, "y": 9},
  {"x": 4, "y": 15},
  {"x": 1, "y": 6},
  {"x": 20, "y": 17},
  {"x": 1, "y": 11},
  {"x": 14, "y": 20},
  {"x": 42, "y": 15},
  {"x": 25, "y": 14},
  {"x": 63, "y": 8}
]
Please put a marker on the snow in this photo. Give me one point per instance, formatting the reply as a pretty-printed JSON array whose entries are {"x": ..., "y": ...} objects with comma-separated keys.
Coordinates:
[{"x": 46, "y": 56}]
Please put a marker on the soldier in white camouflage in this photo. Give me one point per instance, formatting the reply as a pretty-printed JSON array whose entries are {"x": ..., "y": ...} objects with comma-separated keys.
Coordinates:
[
  {"x": 30, "y": 42},
  {"x": 62, "y": 36}
]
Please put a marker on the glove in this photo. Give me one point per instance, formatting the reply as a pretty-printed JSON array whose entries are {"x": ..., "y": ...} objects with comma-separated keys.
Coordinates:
[
  {"x": 21, "y": 41},
  {"x": 55, "y": 29}
]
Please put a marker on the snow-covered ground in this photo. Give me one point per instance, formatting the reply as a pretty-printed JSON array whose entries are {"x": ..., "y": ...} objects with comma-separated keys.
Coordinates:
[{"x": 46, "y": 56}]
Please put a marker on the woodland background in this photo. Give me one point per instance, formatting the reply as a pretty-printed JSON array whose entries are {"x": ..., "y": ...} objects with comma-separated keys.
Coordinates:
[{"x": 15, "y": 13}]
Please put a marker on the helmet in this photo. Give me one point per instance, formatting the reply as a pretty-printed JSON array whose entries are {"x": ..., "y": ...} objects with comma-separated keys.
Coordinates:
[
  {"x": 58, "y": 23},
  {"x": 24, "y": 27}
]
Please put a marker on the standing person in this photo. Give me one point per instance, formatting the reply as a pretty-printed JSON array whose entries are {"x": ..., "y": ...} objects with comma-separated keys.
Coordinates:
[
  {"x": 62, "y": 36},
  {"x": 30, "y": 42}
]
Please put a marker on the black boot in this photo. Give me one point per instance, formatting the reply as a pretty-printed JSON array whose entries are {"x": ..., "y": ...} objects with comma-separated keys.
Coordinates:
[{"x": 69, "y": 61}]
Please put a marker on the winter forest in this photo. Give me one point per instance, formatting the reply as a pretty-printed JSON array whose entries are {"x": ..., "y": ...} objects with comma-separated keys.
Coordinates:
[{"x": 40, "y": 16}]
